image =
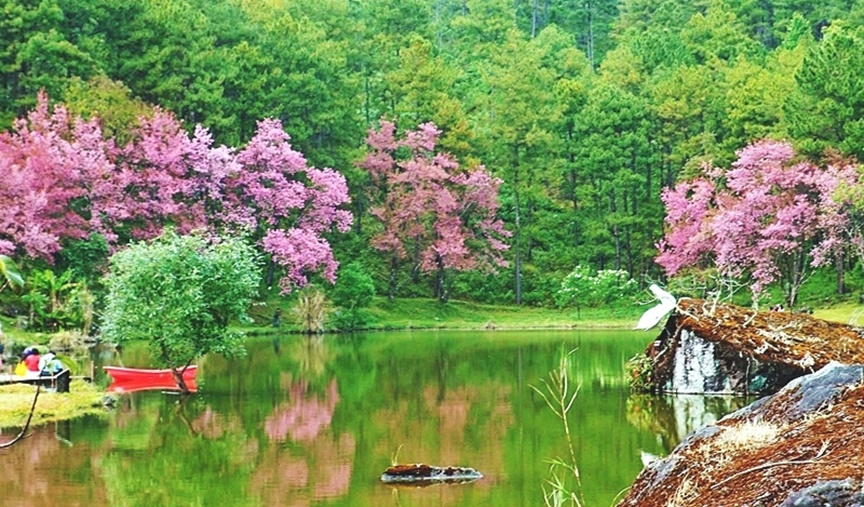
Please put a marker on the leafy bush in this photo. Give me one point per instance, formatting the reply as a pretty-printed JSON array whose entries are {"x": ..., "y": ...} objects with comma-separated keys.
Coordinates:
[
  {"x": 640, "y": 369},
  {"x": 351, "y": 320},
  {"x": 582, "y": 287},
  {"x": 353, "y": 291}
]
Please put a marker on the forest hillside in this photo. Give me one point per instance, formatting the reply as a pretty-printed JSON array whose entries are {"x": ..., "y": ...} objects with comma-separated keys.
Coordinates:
[{"x": 544, "y": 142}]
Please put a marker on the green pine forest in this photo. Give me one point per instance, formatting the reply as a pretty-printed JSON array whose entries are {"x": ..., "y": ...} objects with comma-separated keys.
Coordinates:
[{"x": 584, "y": 109}]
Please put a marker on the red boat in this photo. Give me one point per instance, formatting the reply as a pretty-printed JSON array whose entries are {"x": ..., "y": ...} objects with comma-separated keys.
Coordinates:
[{"x": 126, "y": 380}]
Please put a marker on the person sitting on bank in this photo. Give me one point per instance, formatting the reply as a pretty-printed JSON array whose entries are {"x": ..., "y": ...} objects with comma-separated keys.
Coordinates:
[
  {"x": 31, "y": 362},
  {"x": 50, "y": 365}
]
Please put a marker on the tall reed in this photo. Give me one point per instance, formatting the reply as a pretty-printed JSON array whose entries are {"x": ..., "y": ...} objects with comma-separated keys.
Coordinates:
[{"x": 559, "y": 394}]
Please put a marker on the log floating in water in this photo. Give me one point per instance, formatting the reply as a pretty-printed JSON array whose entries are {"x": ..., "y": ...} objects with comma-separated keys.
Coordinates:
[{"x": 422, "y": 473}]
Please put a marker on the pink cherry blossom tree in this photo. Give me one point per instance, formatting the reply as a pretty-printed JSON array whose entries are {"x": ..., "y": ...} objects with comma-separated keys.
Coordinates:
[
  {"x": 265, "y": 189},
  {"x": 290, "y": 205},
  {"x": 769, "y": 218},
  {"x": 433, "y": 211},
  {"x": 64, "y": 180},
  {"x": 46, "y": 158},
  {"x": 154, "y": 181}
]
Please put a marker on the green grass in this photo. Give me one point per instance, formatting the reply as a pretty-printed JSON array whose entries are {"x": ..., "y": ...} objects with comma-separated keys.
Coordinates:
[
  {"x": 846, "y": 312},
  {"x": 422, "y": 313},
  {"x": 16, "y": 399},
  {"x": 430, "y": 313}
]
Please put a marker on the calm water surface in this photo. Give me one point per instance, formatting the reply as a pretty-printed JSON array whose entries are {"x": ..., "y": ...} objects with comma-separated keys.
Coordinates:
[{"x": 314, "y": 422}]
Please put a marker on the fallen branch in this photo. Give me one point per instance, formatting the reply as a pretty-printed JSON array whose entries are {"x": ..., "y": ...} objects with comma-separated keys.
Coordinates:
[
  {"x": 763, "y": 466},
  {"x": 20, "y": 435}
]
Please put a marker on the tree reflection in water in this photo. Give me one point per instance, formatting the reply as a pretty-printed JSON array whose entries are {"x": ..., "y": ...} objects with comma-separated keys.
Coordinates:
[
  {"x": 319, "y": 465},
  {"x": 304, "y": 416}
]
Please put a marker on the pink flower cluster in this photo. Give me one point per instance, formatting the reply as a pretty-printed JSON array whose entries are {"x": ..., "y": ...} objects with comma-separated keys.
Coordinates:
[
  {"x": 62, "y": 179},
  {"x": 761, "y": 218},
  {"x": 427, "y": 199}
]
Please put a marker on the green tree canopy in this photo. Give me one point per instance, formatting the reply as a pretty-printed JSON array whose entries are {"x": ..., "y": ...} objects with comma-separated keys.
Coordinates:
[{"x": 180, "y": 293}]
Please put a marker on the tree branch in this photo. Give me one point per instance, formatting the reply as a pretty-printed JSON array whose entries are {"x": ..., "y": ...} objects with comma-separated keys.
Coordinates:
[{"x": 26, "y": 425}]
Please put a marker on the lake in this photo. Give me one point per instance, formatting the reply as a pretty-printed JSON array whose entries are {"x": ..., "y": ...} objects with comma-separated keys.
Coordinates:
[{"x": 315, "y": 421}]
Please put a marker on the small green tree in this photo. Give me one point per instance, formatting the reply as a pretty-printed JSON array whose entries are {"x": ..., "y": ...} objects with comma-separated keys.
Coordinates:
[
  {"x": 353, "y": 291},
  {"x": 180, "y": 293},
  {"x": 56, "y": 302}
]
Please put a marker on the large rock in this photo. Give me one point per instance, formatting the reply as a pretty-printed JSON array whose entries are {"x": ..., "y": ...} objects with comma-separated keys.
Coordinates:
[
  {"x": 717, "y": 348},
  {"x": 800, "y": 447}
]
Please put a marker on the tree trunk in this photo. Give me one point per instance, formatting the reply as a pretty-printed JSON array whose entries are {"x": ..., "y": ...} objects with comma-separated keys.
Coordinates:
[
  {"x": 271, "y": 272},
  {"x": 534, "y": 19},
  {"x": 841, "y": 272},
  {"x": 517, "y": 236},
  {"x": 441, "y": 283},
  {"x": 616, "y": 233},
  {"x": 415, "y": 258},
  {"x": 394, "y": 265},
  {"x": 178, "y": 378},
  {"x": 589, "y": 50},
  {"x": 517, "y": 250}
]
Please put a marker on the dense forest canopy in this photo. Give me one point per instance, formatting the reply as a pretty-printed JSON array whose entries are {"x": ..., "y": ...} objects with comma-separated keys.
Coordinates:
[{"x": 582, "y": 113}]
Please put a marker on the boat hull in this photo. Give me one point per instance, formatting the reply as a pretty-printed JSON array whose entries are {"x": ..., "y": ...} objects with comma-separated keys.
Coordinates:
[{"x": 126, "y": 380}]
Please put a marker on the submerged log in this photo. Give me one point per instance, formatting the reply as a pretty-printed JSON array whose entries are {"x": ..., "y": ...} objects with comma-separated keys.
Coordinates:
[
  {"x": 422, "y": 473},
  {"x": 719, "y": 348}
]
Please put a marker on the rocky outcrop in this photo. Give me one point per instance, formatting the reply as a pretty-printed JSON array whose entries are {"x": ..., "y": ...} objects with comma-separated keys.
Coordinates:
[
  {"x": 707, "y": 347},
  {"x": 799, "y": 447}
]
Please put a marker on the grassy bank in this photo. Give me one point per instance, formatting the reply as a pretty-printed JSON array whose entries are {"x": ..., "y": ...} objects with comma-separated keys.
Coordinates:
[
  {"x": 16, "y": 399},
  {"x": 419, "y": 313},
  {"x": 844, "y": 313}
]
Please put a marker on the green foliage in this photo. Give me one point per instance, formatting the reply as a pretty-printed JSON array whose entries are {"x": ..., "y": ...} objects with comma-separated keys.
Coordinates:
[
  {"x": 11, "y": 275},
  {"x": 353, "y": 288},
  {"x": 86, "y": 257},
  {"x": 180, "y": 293},
  {"x": 583, "y": 287},
  {"x": 482, "y": 288},
  {"x": 828, "y": 113},
  {"x": 56, "y": 302},
  {"x": 353, "y": 291},
  {"x": 640, "y": 369},
  {"x": 717, "y": 34},
  {"x": 111, "y": 101},
  {"x": 586, "y": 110}
]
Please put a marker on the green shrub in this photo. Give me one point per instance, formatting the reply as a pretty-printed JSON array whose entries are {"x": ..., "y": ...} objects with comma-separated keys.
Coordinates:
[{"x": 584, "y": 287}]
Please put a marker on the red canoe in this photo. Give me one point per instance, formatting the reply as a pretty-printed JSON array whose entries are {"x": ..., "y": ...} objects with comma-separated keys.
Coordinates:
[{"x": 125, "y": 380}]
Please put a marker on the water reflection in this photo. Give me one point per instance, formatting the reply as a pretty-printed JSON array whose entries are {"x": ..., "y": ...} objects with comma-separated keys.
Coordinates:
[
  {"x": 314, "y": 421},
  {"x": 305, "y": 415},
  {"x": 312, "y": 354},
  {"x": 318, "y": 470},
  {"x": 37, "y": 472},
  {"x": 672, "y": 417}
]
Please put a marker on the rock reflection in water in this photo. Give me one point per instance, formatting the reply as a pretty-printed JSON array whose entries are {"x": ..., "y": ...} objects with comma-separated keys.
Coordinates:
[{"x": 673, "y": 417}]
